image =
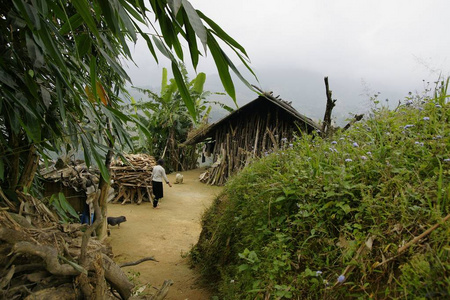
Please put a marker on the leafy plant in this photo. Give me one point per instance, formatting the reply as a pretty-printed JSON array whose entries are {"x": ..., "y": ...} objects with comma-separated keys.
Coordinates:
[
  {"x": 167, "y": 119},
  {"x": 65, "y": 211}
]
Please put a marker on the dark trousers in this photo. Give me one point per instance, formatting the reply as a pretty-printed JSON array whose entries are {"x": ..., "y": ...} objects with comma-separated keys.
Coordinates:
[{"x": 157, "y": 191}]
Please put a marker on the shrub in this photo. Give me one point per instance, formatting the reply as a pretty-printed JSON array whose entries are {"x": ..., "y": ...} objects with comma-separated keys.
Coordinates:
[{"x": 326, "y": 218}]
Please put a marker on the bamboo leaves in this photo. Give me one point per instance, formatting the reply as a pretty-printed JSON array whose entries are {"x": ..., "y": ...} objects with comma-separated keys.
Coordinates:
[
  {"x": 222, "y": 67},
  {"x": 83, "y": 8},
  {"x": 62, "y": 70},
  {"x": 174, "y": 5},
  {"x": 221, "y": 33},
  {"x": 184, "y": 92},
  {"x": 195, "y": 22}
]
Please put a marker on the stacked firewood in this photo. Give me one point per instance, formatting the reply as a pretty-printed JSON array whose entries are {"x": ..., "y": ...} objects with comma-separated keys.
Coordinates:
[
  {"x": 74, "y": 174},
  {"x": 132, "y": 179}
]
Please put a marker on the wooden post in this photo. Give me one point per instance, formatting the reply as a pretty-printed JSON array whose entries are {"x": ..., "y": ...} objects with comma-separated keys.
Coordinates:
[{"x": 329, "y": 108}]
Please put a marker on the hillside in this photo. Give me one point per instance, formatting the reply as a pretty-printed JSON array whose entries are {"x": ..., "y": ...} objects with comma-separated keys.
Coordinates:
[{"x": 361, "y": 215}]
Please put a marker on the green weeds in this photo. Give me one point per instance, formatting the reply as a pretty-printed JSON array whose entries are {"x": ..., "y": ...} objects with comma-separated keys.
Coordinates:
[{"x": 325, "y": 218}]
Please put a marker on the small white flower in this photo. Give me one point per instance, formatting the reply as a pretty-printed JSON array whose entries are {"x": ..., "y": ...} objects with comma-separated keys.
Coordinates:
[
  {"x": 318, "y": 273},
  {"x": 438, "y": 106},
  {"x": 363, "y": 157},
  {"x": 426, "y": 118},
  {"x": 408, "y": 126},
  {"x": 348, "y": 160},
  {"x": 341, "y": 278},
  {"x": 355, "y": 144},
  {"x": 369, "y": 153},
  {"x": 447, "y": 159},
  {"x": 333, "y": 143}
]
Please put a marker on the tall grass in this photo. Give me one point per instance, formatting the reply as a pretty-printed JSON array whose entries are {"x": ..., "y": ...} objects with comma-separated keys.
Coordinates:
[{"x": 325, "y": 218}]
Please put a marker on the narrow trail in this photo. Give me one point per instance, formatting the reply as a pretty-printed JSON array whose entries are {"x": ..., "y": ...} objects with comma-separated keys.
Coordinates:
[{"x": 166, "y": 233}]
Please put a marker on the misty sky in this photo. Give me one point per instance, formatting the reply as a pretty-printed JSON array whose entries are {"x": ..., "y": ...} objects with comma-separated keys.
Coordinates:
[{"x": 385, "y": 44}]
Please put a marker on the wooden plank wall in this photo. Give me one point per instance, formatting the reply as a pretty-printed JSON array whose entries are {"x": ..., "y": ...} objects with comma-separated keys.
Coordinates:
[{"x": 243, "y": 139}]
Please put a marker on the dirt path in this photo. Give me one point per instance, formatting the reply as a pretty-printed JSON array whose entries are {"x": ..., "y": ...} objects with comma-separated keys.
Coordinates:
[{"x": 166, "y": 234}]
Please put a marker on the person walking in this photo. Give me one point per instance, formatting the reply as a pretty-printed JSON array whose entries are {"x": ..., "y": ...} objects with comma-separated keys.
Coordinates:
[{"x": 159, "y": 174}]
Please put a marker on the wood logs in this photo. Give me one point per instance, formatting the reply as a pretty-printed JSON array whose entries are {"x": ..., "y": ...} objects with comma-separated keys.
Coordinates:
[
  {"x": 241, "y": 141},
  {"x": 132, "y": 179}
]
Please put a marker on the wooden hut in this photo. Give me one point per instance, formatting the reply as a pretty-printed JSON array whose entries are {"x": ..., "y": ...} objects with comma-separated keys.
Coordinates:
[{"x": 263, "y": 125}]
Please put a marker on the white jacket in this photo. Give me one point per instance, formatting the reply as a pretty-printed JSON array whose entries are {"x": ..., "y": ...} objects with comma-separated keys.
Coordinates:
[{"x": 159, "y": 174}]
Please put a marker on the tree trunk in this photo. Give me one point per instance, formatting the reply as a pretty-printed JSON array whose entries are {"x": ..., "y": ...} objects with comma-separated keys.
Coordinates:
[
  {"x": 29, "y": 170},
  {"x": 103, "y": 187},
  {"x": 329, "y": 108},
  {"x": 14, "y": 162}
]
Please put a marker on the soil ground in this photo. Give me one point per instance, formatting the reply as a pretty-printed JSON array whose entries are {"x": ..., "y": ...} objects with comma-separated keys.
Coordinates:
[{"x": 167, "y": 234}]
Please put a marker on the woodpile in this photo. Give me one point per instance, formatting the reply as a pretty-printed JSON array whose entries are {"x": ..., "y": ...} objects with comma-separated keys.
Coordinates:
[
  {"x": 132, "y": 179},
  {"x": 74, "y": 174},
  {"x": 251, "y": 138}
]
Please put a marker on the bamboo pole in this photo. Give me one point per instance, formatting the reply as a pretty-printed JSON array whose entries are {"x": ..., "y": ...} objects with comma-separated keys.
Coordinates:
[{"x": 424, "y": 234}]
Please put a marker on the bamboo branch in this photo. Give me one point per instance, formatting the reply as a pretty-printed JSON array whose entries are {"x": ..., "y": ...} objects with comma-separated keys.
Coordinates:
[
  {"x": 424, "y": 234},
  {"x": 414, "y": 241}
]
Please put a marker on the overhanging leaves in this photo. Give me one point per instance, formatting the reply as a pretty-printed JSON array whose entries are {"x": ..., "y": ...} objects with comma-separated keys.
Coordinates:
[
  {"x": 196, "y": 22},
  {"x": 183, "y": 90},
  {"x": 222, "y": 67}
]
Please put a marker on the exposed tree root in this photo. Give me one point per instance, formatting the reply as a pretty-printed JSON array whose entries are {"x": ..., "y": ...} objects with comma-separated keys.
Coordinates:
[{"x": 42, "y": 259}]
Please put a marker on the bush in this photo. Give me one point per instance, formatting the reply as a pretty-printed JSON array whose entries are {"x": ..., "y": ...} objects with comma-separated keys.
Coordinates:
[{"x": 326, "y": 218}]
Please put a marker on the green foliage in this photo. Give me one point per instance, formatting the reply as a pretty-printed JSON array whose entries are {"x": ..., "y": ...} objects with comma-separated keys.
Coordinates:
[
  {"x": 63, "y": 208},
  {"x": 61, "y": 73},
  {"x": 169, "y": 120},
  {"x": 325, "y": 218}
]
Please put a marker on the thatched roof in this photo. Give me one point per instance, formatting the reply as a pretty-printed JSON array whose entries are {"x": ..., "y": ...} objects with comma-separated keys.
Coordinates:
[{"x": 206, "y": 132}]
